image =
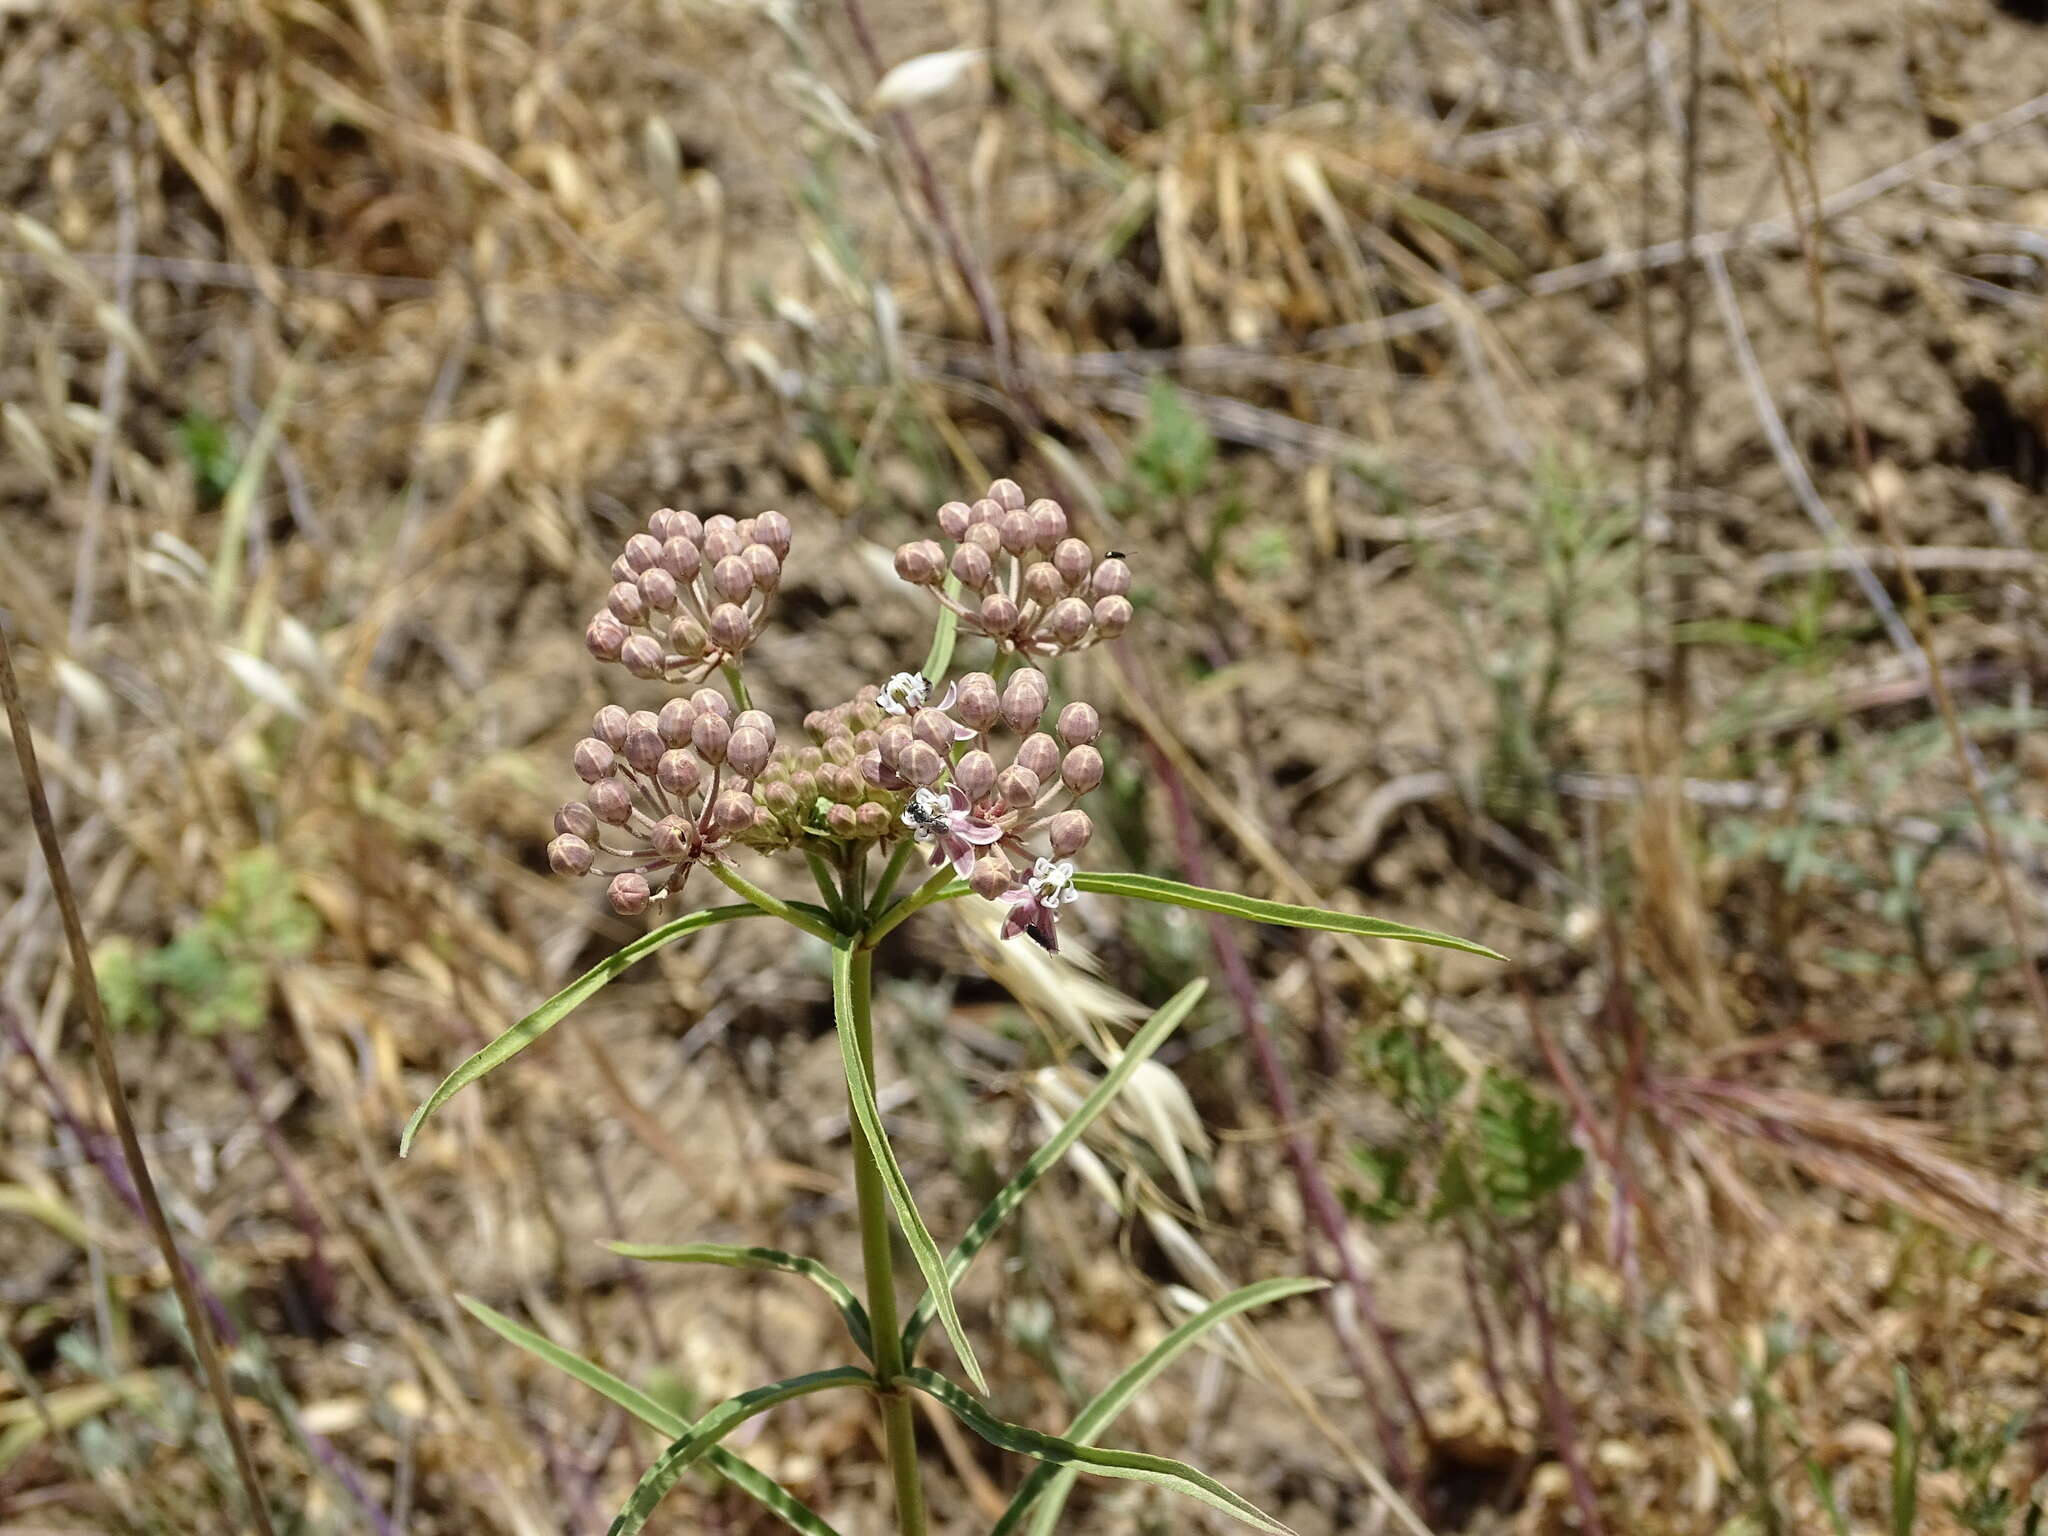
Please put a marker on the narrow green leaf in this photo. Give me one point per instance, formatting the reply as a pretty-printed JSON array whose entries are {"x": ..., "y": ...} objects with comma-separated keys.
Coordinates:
[
  {"x": 1011, "y": 1195},
  {"x": 861, "y": 1093},
  {"x": 742, "y": 1474},
  {"x": 841, "y": 1293},
  {"x": 1278, "y": 913},
  {"x": 940, "y": 657},
  {"x": 561, "y": 1005},
  {"x": 721, "y": 1421},
  {"x": 1050, "y": 1484},
  {"x": 1135, "y": 1466}
]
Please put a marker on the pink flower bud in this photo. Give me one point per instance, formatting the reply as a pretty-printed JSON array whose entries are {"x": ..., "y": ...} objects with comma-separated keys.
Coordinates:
[
  {"x": 1079, "y": 724},
  {"x": 626, "y": 603},
  {"x": 913, "y": 566},
  {"x": 642, "y": 551},
  {"x": 986, "y": 537},
  {"x": 840, "y": 820},
  {"x": 720, "y": 523},
  {"x": 643, "y": 656},
  {"x": 610, "y": 724},
  {"x": 1042, "y": 583},
  {"x": 686, "y": 525},
  {"x": 733, "y": 812},
  {"x": 1068, "y": 621},
  {"x": 870, "y": 819},
  {"x": 658, "y": 524},
  {"x": 1041, "y": 754},
  {"x": 933, "y": 728},
  {"x": 675, "y": 720},
  {"x": 672, "y": 837},
  {"x": 678, "y": 774},
  {"x": 839, "y": 749},
  {"x": 658, "y": 589},
  {"x": 1015, "y": 529},
  {"x": 805, "y": 782},
  {"x": 575, "y": 820},
  {"x": 1112, "y": 616},
  {"x": 978, "y": 703},
  {"x": 975, "y": 773},
  {"x": 773, "y": 532},
  {"x": 687, "y": 638},
  {"x": 710, "y": 736},
  {"x": 731, "y": 630},
  {"x": 1081, "y": 770},
  {"x": 611, "y": 802},
  {"x": 1112, "y": 579},
  {"x": 1073, "y": 560},
  {"x": 731, "y": 579},
  {"x": 569, "y": 855},
  {"x": 644, "y": 749},
  {"x": 764, "y": 566},
  {"x": 593, "y": 760},
  {"x": 973, "y": 567},
  {"x": 1048, "y": 523},
  {"x": 992, "y": 876},
  {"x": 953, "y": 520},
  {"x": 1068, "y": 833},
  {"x": 604, "y": 636},
  {"x": 1017, "y": 786},
  {"x": 871, "y": 770},
  {"x": 922, "y": 764},
  {"x": 747, "y": 752},
  {"x": 745, "y": 529},
  {"x": 1007, "y": 494},
  {"x": 629, "y": 895},
  {"x": 840, "y": 783},
  {"x": 721, "y": 543},
  {"x": 1024, "y": 698},
  {"x": 682, "y": 559},
  {"x": 781, "y": 799},
  {"x": 984, "y": 510},
  {"x": 642, "y": 720},
  {"x": 760, "y": 720},
  {"x": 998, "y": 614},
  {"x": 891, "y": 741},
  {"x": 710, "y": 701},
  {"x": 622, "y": 569}
]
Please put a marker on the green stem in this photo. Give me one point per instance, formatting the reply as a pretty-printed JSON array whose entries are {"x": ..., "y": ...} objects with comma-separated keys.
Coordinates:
[
  {"x": 891, "y": 873},
  {"x": 738, "y": 685},
  {"x": 774, "y": 906},
  {"x": 827, "y": 886},
  {"x": 898, "y": 1419},
  {"x": 941, "y": 887}
]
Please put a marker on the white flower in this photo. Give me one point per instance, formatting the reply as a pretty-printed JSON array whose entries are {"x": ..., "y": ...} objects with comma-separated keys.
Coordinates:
[
  {"x": 926, "y": 814},
  {"x": 1052, "y": 884},
  {"x": 904, "y": 694}
]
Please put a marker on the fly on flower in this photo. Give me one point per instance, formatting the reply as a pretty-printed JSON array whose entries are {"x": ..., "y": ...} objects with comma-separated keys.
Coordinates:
[
  {"x": 948, "y": 823},
  {"x": 1035, "y": 900}
]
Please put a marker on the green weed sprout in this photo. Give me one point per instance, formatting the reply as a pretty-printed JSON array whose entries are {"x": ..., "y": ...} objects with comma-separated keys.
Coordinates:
[{"x": 961, "y": 775}]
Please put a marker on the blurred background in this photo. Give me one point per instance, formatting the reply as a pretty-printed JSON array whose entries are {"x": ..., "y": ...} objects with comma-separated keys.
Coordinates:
[{"x": 1581, "y": 463}]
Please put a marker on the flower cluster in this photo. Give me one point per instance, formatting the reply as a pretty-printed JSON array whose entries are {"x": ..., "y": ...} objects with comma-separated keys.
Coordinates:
[
  {"x": 1024, "y": 581},
  {"x": 674, "y": 788},
  {"x": 688, "y": 595}
]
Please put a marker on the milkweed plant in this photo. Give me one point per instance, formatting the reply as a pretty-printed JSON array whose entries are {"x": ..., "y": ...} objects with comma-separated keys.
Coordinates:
[{"x": 922, "y": 788}]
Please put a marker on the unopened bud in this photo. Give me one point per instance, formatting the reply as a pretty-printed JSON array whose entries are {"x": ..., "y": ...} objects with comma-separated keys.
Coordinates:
[
  {"x": 611, "y": 802},
  {"x": 1068, "y": 833},
  {"x": 604, "y": 636},
  {"x": 643, "y": 656},
  {"x": 672, "y": 836},
  {"x": 998, "y": 614},
  {"x": 840, "y": 820},
  {"x": 914, "y": 564},
  {"x": 986, "y": 537},
  {"x": 765, "y": 566},
  {"x": 644, "y": 749},
  {"x": 622, "y": 569},
  {"x": 933, "y": 728},
  {"x": 871, "y": 770},
  {"x": 593, "y": 760},
  {"x": 840, "y": 783},
  {"x": 610, "y": 724},
  {"x": 710, "y": 701},
  {"x": 687, "y": 638},
  {"x": 1112, "y": 579},
  {"x": 975, "y": 773},
  {"x": 733, "y": 812},
  {"x": 675, "y": 720},
  {"x": 1017, "y": 786},
  {"x": 760, "y": 720},
  {"x": 678, "y": 774},
  {"x": 626, "y": 603},
  {"x": 747, "y": 752},
  {"x": 1074, "y": 560},
  {"x": 1015, "y": 529},
  {"x": 721, "y": 543},
  {"x": 642, "y": 551},
  {"x": 731, "y": 579},
  {"x": 720, "y": 523},
  {"x": 953, "y": 520},
  {"x": 991, "y": 877},
  {"x": 575, "y": 820},
  {"x": 1068, "y": 621},
  {"x": 629, "y": 894},
  {"x": 658, "y": 523},
  {"x": 1081, "y": 770},
  {"x": 710, "y": 736},
  {"x": 686, "y": 525},
  {"x": 642, "y": 720},
  {"x": 973, "y": 567},
  {"x": 1048, "y": 523},
  {"x": 978, "y": 703},
  {"x": 986, "y": 509},
  {"x": 1007, "y": 494},
  {"x": 1040, "y": 753},
  {"x": 1079, "y": 724},
  {"x": 658, "y": 589},
  {"x": 839, "y": 749},
  {"x": 1112, "y": 616},
  {"x": 891, "y": 741},
  {"x": 682, "y": 559},
  {"x": 870, "y": 819},
  {"x": 569, "y": 855},
  {"x": 1042, "y": 583},
  {"x": 1024, "y": 698},
  {"x": 773, "y": 532},
  {"x": 922, "y": 764},
  {"x": 780, "y": 798},
  {"x": 730, "y": 628}
]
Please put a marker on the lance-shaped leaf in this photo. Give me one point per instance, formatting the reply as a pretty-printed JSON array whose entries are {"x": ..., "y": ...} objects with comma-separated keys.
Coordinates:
[
  {"x": 561, "y": 1005},
  {"x": 1279, "y": 913},
  {"x": 940, "y": 656},
  {"x": 860, "y": 1093},
  {"x": 1135, "y": 1466},
  {"x": 1011, "y": 1195},
  {"x": 742, "y": 1474},
  {"x": 841, "y": 1293},
  {"x": 1049, "y": 1485},
  {"x": 701, "y": 1439}
]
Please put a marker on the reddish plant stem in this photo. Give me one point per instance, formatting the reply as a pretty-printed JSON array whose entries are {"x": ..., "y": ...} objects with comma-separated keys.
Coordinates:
[
  {"x": 319, "y": 1276},
  {"x": 1316, "y": 1193},
  {"x": 1556, "y": 1406}
]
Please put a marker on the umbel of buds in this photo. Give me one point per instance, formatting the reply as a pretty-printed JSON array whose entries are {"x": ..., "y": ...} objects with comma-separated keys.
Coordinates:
[
  {"x": 666, "y": 790},
  {"x": 689, "y": 594},
  {"x": 1024, "y": 580}
]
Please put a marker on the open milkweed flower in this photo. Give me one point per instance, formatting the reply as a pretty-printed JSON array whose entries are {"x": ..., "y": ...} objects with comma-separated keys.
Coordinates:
[
  {"x": 1035, "y": 900},
  {"x": 949, "y": 824},
  {"x": 907, "y": 695}
]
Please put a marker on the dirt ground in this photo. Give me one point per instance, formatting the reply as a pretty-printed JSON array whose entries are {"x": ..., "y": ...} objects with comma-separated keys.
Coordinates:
[{"x": 1497, "y": 571}]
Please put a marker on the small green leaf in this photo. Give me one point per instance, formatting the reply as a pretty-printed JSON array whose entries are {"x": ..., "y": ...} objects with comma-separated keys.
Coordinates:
[
  {"x": 940, "y": 657},
  {"x": 861, "y": 1093},
  {"x": 763, "y": 1258},
  {"x": 561, "y": 1005},
  {"x": 742, "y": 1474},
  {"x": 721, "y": 1421},
  {"x": 1136, "y": 1466},
  {"x": 1011, "y": 1195},
  {"x": 1050, "y": 1484},
  {"x": 1279, "y": 913}
]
